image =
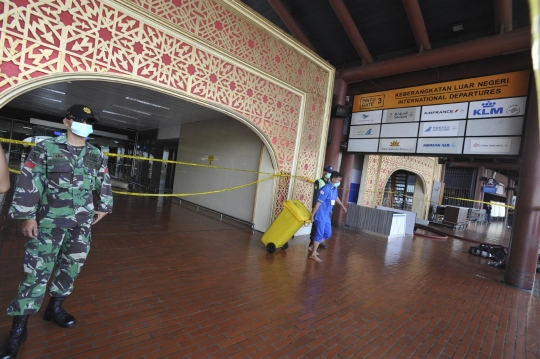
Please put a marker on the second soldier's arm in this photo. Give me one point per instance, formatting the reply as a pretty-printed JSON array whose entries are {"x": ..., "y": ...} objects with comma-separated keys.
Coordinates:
[
  {"x": 30, "y": 188},
  {"x": 4, "y": 172},
  {"x": 104, "y": 191},
  {"x": 30, "y": 185}
]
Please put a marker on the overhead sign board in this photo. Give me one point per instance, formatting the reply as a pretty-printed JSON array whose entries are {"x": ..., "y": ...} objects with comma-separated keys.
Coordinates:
[
  {"x": 478, "y": 116},
  {"x": 511, "y": 84}
]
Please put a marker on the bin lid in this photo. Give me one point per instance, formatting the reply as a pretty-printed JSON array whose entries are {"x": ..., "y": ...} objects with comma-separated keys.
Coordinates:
[{"x": 298, "y": 210}]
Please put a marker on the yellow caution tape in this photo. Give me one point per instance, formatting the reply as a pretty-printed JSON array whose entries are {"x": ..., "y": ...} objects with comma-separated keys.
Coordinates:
[
  {"x": 191, "y": 194},
  {"x": 281, "y": 174},
  {"x": 141, "y": 158},
  {"x": 17, "y": 142}
]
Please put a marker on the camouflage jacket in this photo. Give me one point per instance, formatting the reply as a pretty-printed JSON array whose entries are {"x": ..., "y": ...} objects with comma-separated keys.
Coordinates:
[{"x": 55, "y": 185}]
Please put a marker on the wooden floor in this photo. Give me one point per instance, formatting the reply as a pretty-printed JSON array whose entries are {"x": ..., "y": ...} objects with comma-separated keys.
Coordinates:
[
  {"x": 495, "y": 233},
  {"x": 163, "y": 281}
]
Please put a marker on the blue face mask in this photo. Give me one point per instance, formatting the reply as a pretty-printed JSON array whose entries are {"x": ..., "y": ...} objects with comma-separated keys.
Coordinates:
[
  {"x": 328, "y": 175},
  {"x": 336, "y": 184},
  {"x": 81, "y": 129}
]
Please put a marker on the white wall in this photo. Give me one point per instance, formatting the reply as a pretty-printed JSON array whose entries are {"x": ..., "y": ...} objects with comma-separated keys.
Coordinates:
[
  {"x": 233, "y": 145},
  {"x": 418, "y": 204},
  {"x": 264, "y": 200}
]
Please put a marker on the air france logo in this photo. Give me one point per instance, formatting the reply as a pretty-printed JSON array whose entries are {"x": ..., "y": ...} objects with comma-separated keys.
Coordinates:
[{"x": 488, "y": 109}]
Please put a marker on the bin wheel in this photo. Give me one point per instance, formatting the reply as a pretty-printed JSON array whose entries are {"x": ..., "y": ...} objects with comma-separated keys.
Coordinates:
[
  {"x": 271, "y": 247},
  {"x": 285, "y": 246}
]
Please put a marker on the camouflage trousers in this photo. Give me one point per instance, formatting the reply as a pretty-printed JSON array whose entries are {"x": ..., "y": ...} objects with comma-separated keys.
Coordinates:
[{"x": 65, "y": 247}]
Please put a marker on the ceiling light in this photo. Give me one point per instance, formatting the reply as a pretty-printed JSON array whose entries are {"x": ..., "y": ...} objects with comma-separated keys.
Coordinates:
[
  {"x": 116, "y": 142},
  {"x": 130, "y": 109},
  {"x": 55, "y": 91},
  {"x": 146, "y": 103},
  {"x": 46, "y": 98},
  {"x": 118, "y": 114},
  {"x": 458, "y": 27},
  {"x": 30, "y": 128},
  {"x": 113, "y": 119}
]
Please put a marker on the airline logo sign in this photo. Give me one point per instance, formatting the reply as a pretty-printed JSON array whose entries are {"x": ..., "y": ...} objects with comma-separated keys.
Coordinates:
[
  {"x": 455, "y": 111},
  {"x": 368, "y": 131},
  {"x": 402, "y": 115},
  {"x": 498, "y": 108},
  {"x": 438, "y": 129},
  {"x": 440, "y": 145},
  {"x": 366, "y": 117},
  {"x": 398, "y": 145},
  {"x": 491, "y": 145}
]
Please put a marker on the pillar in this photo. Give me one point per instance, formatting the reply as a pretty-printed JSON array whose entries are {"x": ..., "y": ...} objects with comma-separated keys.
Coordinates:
[
  {"x": 521, "y": 265},
  {"x": 332, "y": 151},
  {"x": 478, "y": 194},
  {"x": 509, "y": 195},
  {"x": 346, "y": 169}
]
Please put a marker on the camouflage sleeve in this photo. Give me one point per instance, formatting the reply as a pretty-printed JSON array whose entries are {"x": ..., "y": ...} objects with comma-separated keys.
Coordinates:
[
  {"x": 103, "y": 188},
  {"x": 31, "y": 185}
]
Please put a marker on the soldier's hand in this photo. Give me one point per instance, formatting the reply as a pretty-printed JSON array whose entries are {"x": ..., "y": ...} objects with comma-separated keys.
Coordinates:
[
  {"x": 29, "y": 228},
  {"x": 99, "y": 216}
]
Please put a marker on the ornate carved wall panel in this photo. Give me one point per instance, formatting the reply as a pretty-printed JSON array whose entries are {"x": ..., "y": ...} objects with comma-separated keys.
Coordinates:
[
  {"x": 214, "y": 52},
  {"x": 380, "y": 168}
]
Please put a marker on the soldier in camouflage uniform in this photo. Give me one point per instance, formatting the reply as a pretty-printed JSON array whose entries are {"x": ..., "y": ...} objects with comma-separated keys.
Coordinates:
[{"x": 54, "y": 197}]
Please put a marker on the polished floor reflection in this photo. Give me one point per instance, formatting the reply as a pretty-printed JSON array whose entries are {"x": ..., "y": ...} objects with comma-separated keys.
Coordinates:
[
  {"x": 166, "y": 281},
  {"x": 495, "y": 233}
]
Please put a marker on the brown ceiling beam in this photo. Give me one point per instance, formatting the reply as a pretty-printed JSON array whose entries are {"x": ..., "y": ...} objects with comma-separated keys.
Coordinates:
[
  {"x": 416, "y": 20},
  {"x": 291, "y": 24},
  {"x": 514, "y": 41},
  {"x": 503, "y": 15},
  {"x": 348, "y": 24}
]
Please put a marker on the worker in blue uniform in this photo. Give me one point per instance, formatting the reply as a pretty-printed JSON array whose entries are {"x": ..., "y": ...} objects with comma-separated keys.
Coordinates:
[
  {"x": 327, "y": 198},
  {"x": 327, "y": 171}
]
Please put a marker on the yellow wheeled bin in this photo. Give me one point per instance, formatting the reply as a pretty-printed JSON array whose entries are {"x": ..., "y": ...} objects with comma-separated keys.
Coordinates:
[{"x": 287, "y": 223}]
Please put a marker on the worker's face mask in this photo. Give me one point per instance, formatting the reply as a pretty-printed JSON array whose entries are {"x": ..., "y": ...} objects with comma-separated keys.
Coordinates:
[
  {"x": 336, "y": 184},
  {"x": 328, "y": 175},
  {"x": 81, "y": 129}
]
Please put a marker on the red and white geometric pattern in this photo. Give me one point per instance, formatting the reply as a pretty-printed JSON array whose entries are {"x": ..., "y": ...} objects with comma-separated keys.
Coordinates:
[{"x": 247, "y": 71}]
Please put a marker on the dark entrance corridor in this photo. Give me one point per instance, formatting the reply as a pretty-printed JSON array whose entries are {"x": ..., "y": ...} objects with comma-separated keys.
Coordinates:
[{"x": 165, "y": 281}]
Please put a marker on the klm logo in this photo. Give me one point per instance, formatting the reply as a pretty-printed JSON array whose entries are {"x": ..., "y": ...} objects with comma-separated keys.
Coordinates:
[{"x": 488, "y": 109}]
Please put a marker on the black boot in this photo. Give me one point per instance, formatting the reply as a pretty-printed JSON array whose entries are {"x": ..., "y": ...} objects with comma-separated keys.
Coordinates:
[
  {"x": 55, "y": 313},
  {"x": 17, "y": 336}
]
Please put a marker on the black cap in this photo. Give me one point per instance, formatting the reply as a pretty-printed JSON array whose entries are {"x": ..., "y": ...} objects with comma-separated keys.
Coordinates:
[
  {"x": 81, "y": 112},
  {"x": 328, "y": 169}
]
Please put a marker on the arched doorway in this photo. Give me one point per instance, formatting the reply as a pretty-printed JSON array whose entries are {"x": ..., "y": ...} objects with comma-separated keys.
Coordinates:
[
  {"x": 405, "y": 190},
  {"x": 265, "y": 78},
  {"x": 143, "y": 122}
]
